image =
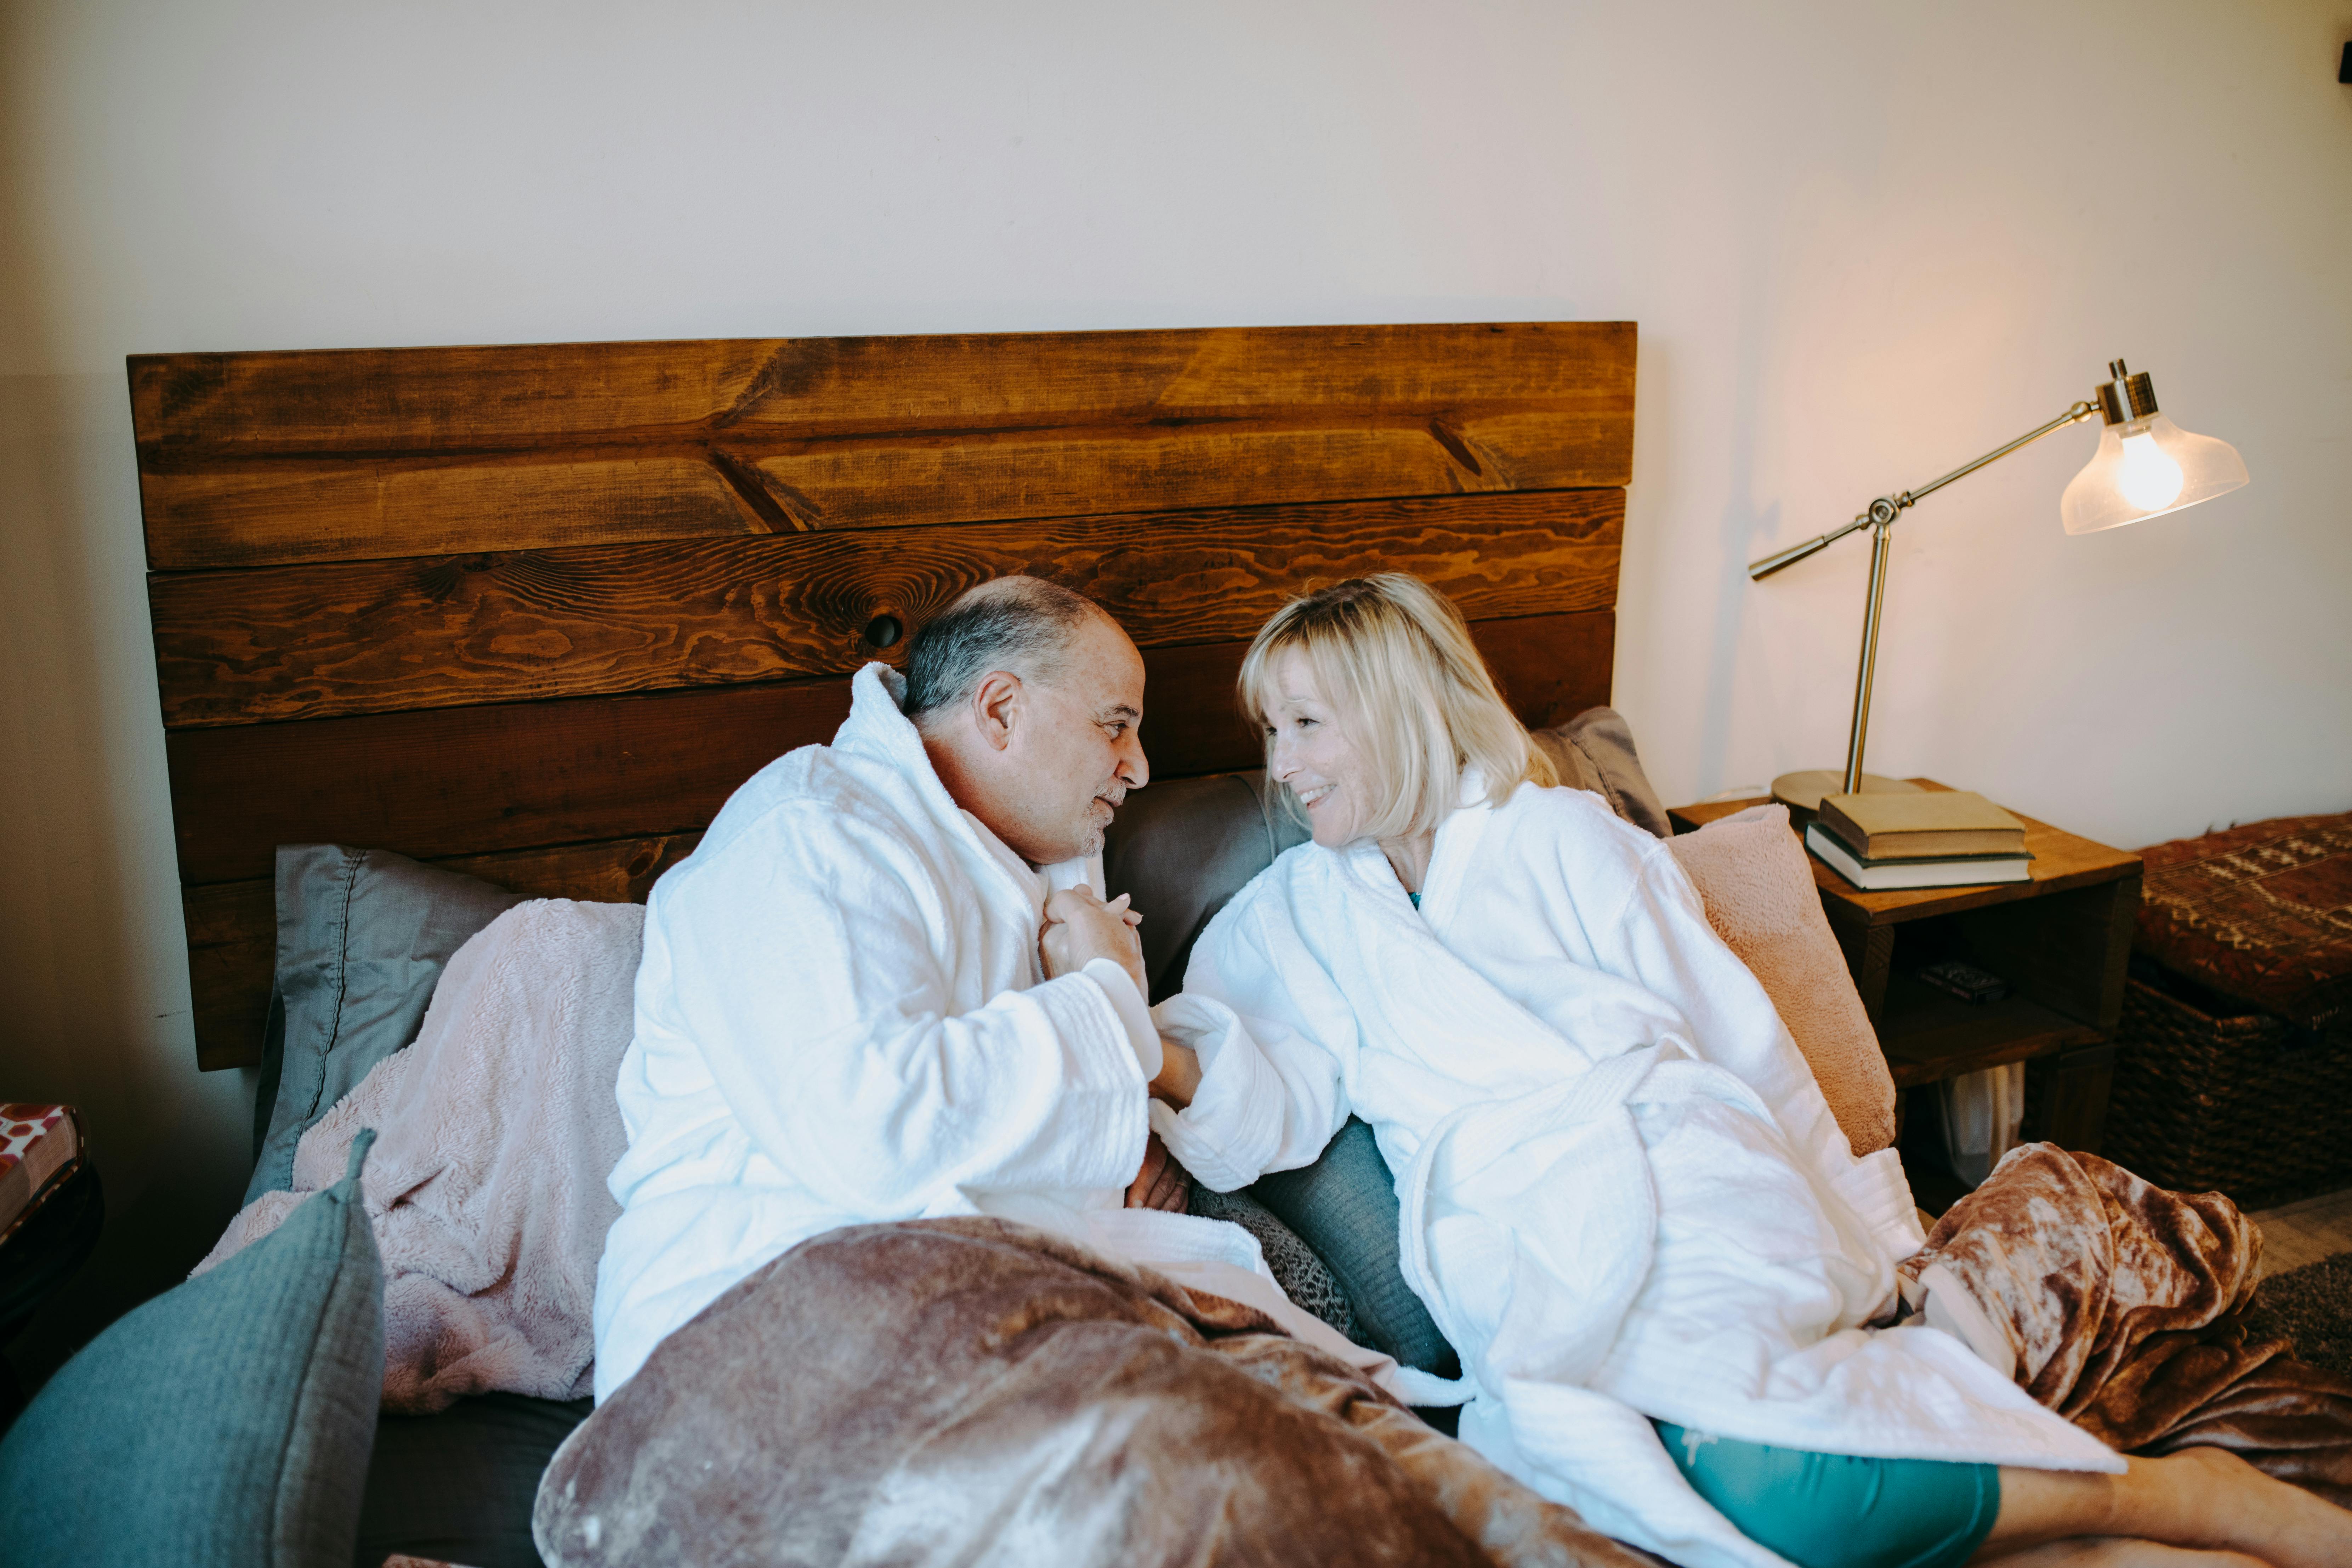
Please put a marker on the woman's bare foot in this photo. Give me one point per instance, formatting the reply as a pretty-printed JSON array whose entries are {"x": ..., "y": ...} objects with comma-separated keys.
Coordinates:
[
  {"x": 2084, "y": 1552},
  {"x": 2283, "y": 1525}
]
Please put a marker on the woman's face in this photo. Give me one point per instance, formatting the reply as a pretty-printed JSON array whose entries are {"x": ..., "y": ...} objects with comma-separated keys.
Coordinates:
[{"x": 1307, "y": 749}]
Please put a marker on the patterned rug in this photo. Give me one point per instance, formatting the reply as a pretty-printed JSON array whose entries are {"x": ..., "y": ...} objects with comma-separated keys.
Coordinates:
[{"x": 2311, "y": 1305}]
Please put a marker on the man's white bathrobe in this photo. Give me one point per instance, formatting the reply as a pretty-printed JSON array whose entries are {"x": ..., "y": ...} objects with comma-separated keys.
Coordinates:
[
  {"x": 841, "y": 1019},
  {"x": 1623, "y": 1194}
]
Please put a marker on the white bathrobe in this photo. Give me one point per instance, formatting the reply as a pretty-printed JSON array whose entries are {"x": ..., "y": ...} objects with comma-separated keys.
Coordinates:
[
  {"x": 841, "y": 1019},
  {"x": 1623, "y": 1194}
]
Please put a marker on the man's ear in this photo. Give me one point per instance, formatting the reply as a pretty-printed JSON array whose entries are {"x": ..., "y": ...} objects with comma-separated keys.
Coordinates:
[{"x": 997, "y": 707}]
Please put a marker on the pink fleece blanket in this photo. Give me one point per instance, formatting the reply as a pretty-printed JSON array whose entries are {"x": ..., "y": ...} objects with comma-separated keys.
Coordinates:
[{"x": 487, "y": 1186}]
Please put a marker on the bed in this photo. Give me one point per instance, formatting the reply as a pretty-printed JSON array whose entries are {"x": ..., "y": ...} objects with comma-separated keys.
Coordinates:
[{"x": 531, "y": 612}]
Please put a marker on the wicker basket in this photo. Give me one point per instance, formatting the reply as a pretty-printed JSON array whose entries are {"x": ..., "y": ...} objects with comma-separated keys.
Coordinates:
[{"x": 2251, "y": 1106}]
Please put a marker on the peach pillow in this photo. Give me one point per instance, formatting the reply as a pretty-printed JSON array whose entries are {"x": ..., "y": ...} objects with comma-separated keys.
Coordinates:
[{"x": 1752, "y": 874}]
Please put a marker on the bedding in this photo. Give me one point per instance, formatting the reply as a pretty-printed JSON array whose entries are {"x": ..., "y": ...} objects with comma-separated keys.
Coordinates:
[
  {"x": 225, "y": 1423},
  {"x": 2114, "y": 1302},
  {"x": 1343, "y": 1204},
  {"x": 458, "y": 1486},
  {"x": 1594, "y": 751},
  {"x": 363, "y": 936},
  {"x": 1008, "y": 1395},
  {"x": 488, "y": 1191},
  {"x": 1754, "y": 879}
]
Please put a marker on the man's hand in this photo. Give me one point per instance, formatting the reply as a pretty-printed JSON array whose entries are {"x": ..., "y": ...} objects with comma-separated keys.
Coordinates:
[
  {"x": 1080, "y": 928},
  {"x": 1163, "y": 1184}
]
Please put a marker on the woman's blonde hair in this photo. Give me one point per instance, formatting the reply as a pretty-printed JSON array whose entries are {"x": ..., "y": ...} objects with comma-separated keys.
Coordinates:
[{"x": 1395, "y": 657}]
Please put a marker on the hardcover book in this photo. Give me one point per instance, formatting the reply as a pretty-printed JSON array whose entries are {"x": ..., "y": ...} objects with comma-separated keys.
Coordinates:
[
  {"x": 1925, "y": 825},
  {"x": 1888, "y": 875}
]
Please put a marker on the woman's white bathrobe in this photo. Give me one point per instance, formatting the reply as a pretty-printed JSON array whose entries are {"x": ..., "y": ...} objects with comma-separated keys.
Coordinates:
[
  {"x": 841, "y": 1019},
  {"x": 1623, "y": 1194}
]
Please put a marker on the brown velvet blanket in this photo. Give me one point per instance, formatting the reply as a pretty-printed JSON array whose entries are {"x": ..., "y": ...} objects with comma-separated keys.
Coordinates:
[
  {"x": 973, "y": 1391},
  {"x": 977, "y": 1392},
  {"x": 2119, "y": 1303}
]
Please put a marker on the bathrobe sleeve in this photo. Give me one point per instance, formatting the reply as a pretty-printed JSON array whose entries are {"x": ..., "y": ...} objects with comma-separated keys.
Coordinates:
[
  {"x": 1272, "y": 1090},
  {"x": 1664, "y": 944},
  {"x": 814, "y": 969}
]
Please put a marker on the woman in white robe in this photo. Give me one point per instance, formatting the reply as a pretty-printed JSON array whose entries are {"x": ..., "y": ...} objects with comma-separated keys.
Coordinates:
[{"x": 1624, "y": 1199}]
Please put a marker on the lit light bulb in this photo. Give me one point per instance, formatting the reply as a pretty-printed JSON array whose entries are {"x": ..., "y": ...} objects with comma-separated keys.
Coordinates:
[{"x": 2149, "y": 479}]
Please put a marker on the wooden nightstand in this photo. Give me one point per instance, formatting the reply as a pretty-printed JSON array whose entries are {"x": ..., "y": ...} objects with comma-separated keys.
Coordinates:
[{"x": 2060, "y": 939}]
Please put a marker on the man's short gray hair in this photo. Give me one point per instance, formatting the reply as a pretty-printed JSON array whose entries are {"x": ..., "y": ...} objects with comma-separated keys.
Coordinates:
[{"x": 1021, "y": 624}]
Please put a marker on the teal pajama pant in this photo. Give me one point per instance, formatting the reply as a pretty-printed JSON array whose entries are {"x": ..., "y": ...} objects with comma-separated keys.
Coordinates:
[{"x": 1831, "y": 1510}]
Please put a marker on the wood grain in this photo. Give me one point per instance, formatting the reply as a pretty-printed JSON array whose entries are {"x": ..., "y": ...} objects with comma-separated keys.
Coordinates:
[
  {"x": 1930, "y": 1037},
  {"x": 232, "y": 953},
  {"x": 340, "y": 638},
  {"x": 435, "y": 783},
  {"x": 1552, "y": 666},
  {"x": 231, "y": 926},
  {"x": 248, "y": 459}
]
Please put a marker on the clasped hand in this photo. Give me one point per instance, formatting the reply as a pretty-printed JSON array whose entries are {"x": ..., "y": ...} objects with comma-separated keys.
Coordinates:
[{"x": 1081, "y": 928}]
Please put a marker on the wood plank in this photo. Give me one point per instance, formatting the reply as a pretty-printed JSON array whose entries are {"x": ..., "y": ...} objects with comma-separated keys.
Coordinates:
[
  {"x": 332, "y": 512},
  {"x": 460, "y": 399},
  {"x": 261, "y": 458},
  {"x": 2066, "y": 1096},
  {"x": 340, "y": 638},
  {"x": 232, "y": 953},
  {"x": 233, "y": 927},
  {"x": 1929, "y": 1037},
  {"x": 435, "y": 783},
  {"x": 2067, "y": 950}
]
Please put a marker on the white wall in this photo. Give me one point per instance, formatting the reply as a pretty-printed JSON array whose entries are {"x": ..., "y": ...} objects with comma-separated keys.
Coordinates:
[{"x": 1864, "y": 242}]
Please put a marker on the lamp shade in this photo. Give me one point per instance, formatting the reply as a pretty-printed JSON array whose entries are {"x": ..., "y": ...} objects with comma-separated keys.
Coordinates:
[{"x": 2144, "y": 468}]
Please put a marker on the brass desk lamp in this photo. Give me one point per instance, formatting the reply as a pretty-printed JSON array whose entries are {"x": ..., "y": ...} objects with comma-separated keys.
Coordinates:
[{"x": 2146, "y": 467}]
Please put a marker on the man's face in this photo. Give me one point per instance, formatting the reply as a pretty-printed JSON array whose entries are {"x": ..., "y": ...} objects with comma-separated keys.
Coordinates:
[{"x": 1076, "y": 752}]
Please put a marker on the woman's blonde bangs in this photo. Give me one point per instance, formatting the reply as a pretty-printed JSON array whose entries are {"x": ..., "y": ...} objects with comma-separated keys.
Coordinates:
[{"x": 1396, "y": 657}]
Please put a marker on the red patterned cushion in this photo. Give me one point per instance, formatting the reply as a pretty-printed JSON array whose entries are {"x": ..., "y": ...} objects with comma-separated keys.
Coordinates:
[{"x": 2261, "y": 913}]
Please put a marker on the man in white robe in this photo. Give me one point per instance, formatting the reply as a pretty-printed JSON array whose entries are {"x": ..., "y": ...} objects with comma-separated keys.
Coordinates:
[{"x": 847, "y": 1013}]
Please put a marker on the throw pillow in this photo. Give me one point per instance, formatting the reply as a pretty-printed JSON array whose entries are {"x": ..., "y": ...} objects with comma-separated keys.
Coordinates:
[
  {"x": 1758, "y": 886},
  {"x": 226, "y": 1422},
  {"x": 363, "y": 937},
  {"x": 1594, "y": 751}
]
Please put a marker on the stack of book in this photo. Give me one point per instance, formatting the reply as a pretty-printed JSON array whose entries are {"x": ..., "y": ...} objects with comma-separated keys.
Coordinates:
[{"x": 1925, "y": 838}]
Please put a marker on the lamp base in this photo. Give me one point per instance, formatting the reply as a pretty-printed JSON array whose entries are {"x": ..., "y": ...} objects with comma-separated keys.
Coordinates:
[{"x": 1803, "y": 790}]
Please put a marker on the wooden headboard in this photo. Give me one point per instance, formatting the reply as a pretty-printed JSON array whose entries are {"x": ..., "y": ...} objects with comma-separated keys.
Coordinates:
[{"x": 534, "y": 612}]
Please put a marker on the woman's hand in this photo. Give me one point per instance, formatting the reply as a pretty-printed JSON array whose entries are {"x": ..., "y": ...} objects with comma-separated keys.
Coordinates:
[
  {"x": 1080, "y": 928},
  {"x": 1180, "y": 1074},
  {"x": 1162, "y": 1183}
]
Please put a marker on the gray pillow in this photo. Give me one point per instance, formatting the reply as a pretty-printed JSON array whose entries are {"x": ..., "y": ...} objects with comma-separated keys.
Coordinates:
[
  {"x": 363, "y": 937},
  {"x": 226, "y": 1422},
  {"x": 1594, "y": 751}
]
